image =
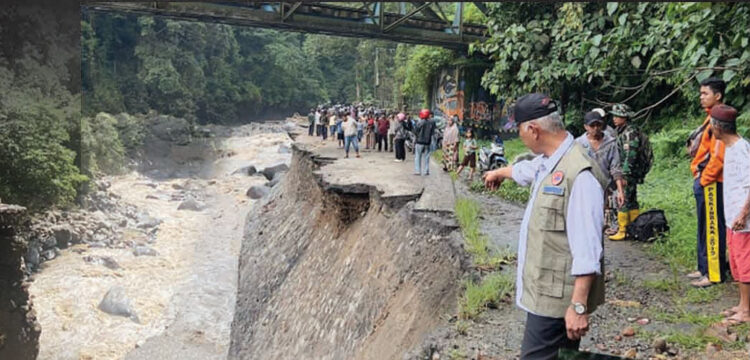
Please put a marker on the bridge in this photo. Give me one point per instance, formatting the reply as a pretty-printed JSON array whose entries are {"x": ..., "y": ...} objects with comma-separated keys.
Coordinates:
[{"x": 415, "y": 22}]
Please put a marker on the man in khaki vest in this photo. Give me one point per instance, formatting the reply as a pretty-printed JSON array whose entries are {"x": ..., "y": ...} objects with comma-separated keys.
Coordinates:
[{"x": 559, "y": 280}]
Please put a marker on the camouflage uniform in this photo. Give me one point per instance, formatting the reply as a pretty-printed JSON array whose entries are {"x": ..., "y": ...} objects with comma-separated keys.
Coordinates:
[{"x": 628, "y": 143}]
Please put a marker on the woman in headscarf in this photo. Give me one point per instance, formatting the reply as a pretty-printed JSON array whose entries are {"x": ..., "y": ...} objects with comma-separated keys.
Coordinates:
[{"x": 450, "y": 145}]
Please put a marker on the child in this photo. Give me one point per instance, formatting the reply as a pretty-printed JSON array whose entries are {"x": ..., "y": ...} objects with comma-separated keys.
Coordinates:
[
  {"x": 470, "y": 157},
  {"x": 736, "y": 198}
]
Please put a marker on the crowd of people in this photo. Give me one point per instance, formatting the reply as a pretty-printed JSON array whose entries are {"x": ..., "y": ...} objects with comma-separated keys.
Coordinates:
[
  {"x": 560, "y": 275},
  {"x": 382, "y": 130}
]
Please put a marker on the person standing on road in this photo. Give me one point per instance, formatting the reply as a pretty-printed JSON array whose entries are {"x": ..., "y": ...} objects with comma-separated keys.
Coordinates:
[
  {"x": 470, "y": 155},
  {"x": 736, "y": 194},
  {"x": 350, "y": 133},
  {"x": 450, "y": 145},
  {"x": 423, "y": 131},
  {"x": 370, "y": 132},
  {"x": 332, "y": 124},
  {"x": 635, "y": 160},
  {"x": 340, "y": 129},
  {"x": 603, "y": 149},
  {"x": 392, "y": 130},
  {"x": 317, "y": 123},
  {"x": 707, "y": 168},
  {"x": 311, "y": 122},
  {"x": 559, "y": 280},
  {"x": 382, "y": 133},
  {"x": 400, "y": 137}
]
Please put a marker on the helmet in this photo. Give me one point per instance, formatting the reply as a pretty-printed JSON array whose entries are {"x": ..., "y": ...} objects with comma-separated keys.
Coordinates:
[
  {"x": 401, "y": 116},
  {"x": 424, "y": 113},
  {"x": 621, "y": 110}
]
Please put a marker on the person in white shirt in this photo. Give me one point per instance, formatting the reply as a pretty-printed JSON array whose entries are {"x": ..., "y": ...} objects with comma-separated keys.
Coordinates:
[
  {"x": 736, "y": 204},
  {"x": 350, "y": 133}
]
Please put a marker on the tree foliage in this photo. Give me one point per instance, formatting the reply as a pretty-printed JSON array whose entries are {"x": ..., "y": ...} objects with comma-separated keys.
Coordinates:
[
  {"x": 214, "y": 73},
  {"x": 38, "y": 106},
  {"x": 592, "y": 54}
]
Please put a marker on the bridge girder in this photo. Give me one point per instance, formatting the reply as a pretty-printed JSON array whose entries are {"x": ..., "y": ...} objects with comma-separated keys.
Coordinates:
[{"x": 316, "y": 17}]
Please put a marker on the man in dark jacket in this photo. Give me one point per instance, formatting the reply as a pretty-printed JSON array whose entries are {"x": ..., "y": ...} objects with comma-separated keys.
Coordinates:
[{"x": 423, "y": 131}]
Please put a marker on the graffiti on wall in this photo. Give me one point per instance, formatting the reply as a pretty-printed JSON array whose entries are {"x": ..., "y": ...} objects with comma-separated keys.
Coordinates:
[{"x": 449, "y": 97}]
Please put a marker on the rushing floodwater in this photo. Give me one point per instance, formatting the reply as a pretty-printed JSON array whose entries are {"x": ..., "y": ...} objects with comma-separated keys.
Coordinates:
[{"x": 186, "y": 293}]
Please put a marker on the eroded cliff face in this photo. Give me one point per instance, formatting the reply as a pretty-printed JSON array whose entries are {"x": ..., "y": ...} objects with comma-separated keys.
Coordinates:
[
  {"x": 19, "y": 330},
  {"x": 332, "y": 271}
]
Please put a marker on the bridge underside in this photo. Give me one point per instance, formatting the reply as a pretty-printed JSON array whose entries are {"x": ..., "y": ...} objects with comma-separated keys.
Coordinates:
[{"x": 369, "y": 21}]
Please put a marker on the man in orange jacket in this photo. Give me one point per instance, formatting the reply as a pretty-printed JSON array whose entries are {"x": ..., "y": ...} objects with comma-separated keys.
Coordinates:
[{"x": 707, "y": 168}]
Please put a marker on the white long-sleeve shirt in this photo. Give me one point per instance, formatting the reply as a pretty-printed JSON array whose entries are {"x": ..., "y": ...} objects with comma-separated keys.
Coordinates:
[{"x": 584, "y": 228}]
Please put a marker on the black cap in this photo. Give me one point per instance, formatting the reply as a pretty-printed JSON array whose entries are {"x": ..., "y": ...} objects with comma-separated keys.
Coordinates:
[
  {"x": 533, "y": 106},
  {"x": 592, "y": 117}
]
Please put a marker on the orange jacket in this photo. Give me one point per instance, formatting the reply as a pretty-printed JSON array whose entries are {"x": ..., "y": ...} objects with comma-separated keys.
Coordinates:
[{"x": 711, "y": 152}]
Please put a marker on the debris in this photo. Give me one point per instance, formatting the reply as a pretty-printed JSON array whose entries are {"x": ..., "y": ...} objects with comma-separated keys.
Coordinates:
[
  {"x": 659, "y": 345},
  {"x": 628, "y": 331}
]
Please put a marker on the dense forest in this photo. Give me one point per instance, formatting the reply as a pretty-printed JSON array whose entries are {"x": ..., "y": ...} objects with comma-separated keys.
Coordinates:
[
  {"x": 214, "y": 73},
  {"x": 60, "y": 68}
]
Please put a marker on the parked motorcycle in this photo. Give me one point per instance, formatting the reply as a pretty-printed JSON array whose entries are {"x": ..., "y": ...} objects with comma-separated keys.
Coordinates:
[{"x": 491, "y": 158}]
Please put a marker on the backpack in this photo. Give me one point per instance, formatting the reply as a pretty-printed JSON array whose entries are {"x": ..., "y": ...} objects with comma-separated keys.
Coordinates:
[
  {"x": 645, "y": 156},
  {"x": 648, "y": 226}
]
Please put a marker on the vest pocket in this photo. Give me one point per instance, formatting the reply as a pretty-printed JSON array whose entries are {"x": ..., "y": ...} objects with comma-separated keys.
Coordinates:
[
  {"x": 552, "y": 210},
  {"x": 552, "y": 278}
]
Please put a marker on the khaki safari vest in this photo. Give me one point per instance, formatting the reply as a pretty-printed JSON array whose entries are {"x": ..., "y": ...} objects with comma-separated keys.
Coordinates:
[{"x": 547, "y": 283}]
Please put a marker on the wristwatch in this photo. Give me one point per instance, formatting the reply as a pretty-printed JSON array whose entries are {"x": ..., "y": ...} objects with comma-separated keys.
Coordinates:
[{"x": 579, "y": 308}]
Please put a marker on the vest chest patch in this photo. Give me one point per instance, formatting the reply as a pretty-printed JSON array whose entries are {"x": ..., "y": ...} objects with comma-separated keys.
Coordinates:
[
  {"x": 553, "y": 190},
  {"x": 557, "y": 177}
]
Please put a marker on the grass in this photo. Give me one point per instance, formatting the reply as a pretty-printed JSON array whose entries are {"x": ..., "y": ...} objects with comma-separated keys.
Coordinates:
[
  {"x": 683, "y": 316},
  {"x": 457, "y": 354},
  {"x": 490, "y": 292},
  {"x": 493, "y": 287},
  {"x": 477, "y": 244}
]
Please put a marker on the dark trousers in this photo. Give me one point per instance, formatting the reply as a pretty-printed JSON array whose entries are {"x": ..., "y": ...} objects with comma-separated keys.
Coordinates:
[
  {"x": 712, "y": 231},
  {"x": 544, "y": 337},
  {"x": 324, "y": 131},
  {"x": 398, "y": 145},
  {"x": 310, "y": 129},
  {"x": 631, "y": 195},
  {"x": 317, "y": 130},
  {"x": 381, "y": 140}
]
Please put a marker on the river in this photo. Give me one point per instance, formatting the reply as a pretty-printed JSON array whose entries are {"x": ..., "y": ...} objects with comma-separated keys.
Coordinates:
[{"x": 185, "y": 296}]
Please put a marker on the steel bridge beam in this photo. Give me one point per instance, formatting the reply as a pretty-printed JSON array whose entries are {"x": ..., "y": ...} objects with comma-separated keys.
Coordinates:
[{"x": 311, "y": 17}]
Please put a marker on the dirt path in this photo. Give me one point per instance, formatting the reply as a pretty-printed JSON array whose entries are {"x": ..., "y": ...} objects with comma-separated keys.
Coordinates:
[
  {"x": 185, "y": 295},
  {"x": 639, "y": 286}
]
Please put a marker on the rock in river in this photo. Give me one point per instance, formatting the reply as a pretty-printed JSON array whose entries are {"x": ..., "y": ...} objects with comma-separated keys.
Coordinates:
[{"x": 115, "y": 302}]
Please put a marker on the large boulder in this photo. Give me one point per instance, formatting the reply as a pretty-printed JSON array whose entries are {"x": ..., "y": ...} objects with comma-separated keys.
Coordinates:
[
  {"x": 115, "y": 302},
  {"x": 247, "y": 170},
  {"x": 276, "y": 179},
  {"x": 258, "y": 191},
  {"x": 191, "y": 204},
  {"x": 271, "y": 171},
  {"x": 146, "y": 221},
  {"x": 63, "y": 235},
  {"x": 143, "y": 250}
]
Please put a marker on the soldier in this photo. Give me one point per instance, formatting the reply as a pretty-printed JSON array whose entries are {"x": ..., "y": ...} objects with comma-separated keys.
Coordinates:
[{"x": 636, "y": 158}]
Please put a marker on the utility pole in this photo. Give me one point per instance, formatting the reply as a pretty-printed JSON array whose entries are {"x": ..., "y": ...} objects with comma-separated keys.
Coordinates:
[{"x": 357, "y": 83}]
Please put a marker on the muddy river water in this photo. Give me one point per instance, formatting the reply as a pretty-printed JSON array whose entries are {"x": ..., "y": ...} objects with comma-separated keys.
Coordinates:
[{"x": 185, "y": 295}]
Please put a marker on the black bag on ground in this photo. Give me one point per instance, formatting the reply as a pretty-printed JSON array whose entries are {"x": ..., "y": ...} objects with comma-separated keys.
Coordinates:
[{"x": 647, "y": 226}]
